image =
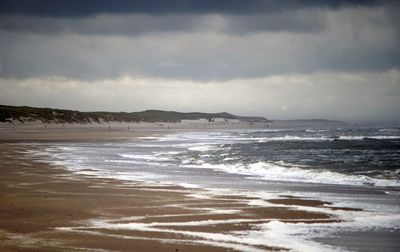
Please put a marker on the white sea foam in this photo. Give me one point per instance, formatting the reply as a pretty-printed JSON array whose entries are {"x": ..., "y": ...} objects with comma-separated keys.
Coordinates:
[
  {"x": 202, "y": 148},
  {"x": 126, "y": 176},
  {"x": 167, "y": 153},
  {"x": 188, "y": 185},
  {"x": 181, "y": 139},
  {"x": 317, "y": 130},
  {"x": 293, "y": 138},
  {"x": 144, "y": 157},
  {"x": 204, "y": 222},
  {"x": 321, "y": 138},
  {"x": 275, "y": 172},
  {"x": 148, "y": 138},
  {"x": 260, "y": 202},
  {"x": 294, "y": 236},
  {"x": 299, "y": 236},
  {"x": 226, "y": 240},
  {"x": 271, "y": 233},
  {"x": 390, "y": 130},
  {"x": 366, "y": 137}
]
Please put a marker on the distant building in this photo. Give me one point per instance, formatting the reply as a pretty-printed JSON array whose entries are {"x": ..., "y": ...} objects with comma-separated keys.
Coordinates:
[
  {"x": 201, "y": 120},
  {"x": 211, "y": 120},
  {"x": 226, "y": 120}
]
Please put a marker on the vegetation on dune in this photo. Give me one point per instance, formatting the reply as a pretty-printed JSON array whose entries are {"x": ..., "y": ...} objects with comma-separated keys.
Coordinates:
[{"x": 48, "y": 115}]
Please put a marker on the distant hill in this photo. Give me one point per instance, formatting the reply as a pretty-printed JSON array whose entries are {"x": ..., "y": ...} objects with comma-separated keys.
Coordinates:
[{"x": 26, "y": 114}]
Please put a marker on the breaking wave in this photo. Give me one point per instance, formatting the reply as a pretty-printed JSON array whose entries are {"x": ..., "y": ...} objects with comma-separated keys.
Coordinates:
[{"x": 291, "y": 173}]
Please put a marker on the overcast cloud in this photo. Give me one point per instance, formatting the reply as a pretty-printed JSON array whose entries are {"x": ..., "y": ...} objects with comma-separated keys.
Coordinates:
[{"x": 300, "y": 59}]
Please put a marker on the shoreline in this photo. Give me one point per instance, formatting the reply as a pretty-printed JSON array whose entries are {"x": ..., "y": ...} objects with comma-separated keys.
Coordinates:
[
  {"x": 101, "y": 132},
  {"x": 51, "y": 208},
  {"x": 25, "y": 135}
]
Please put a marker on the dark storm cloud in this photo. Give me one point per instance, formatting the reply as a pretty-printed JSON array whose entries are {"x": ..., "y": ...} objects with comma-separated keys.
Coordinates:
[
  {"x": 138, "y": 17},
  {"x": 138, "y": 24},
  {"x": 74, "y": 8},
  {"x": 197, "y": 40},
  {"x": 283, "y": 59},
  {"x": 203, "y": 56}
]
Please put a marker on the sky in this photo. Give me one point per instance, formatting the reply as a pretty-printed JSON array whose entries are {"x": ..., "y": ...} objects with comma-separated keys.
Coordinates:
[{"x": 279, "y": 59}]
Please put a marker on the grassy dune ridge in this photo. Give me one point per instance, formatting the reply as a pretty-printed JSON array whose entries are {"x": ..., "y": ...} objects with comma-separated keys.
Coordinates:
[{"x": 50, "y": 115}]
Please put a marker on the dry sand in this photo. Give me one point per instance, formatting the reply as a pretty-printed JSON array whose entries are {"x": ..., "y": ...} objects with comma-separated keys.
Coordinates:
[{"x": 46, "y": 208}]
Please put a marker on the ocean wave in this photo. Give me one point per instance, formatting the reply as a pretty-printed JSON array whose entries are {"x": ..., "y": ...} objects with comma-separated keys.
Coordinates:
[
  {"x": 367, "y": 137},
  {"x": 322, "y": 138},
  {"x": 144, "y": 157},
  {"x": 301, "y": 236},
  {"x": 287, "y": 173},
  {"x": 317, "y": 130},
  {"x": 188, "y": 139},
  {"x": 293, "y": 138},
  {"x": 136, "y": 162},
  {"x": 202, "y": 148},
  {"x": 390, "y": 130}
]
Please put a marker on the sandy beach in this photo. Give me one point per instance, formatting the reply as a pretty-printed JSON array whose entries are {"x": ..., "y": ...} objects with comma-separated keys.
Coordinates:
[{"x": 44, "y": 207}]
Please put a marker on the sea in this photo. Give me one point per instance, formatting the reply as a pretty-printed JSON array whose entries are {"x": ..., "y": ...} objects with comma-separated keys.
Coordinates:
[{"x": 357, "y": 167}]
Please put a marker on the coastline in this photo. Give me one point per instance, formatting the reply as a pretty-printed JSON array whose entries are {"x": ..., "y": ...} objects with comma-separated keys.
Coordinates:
[
  {"x": 24, "y": 133},
  {"x": 46, "y": 207}
]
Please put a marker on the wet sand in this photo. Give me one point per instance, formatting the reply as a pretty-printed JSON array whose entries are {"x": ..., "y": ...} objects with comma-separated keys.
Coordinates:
[
  {"x": 21, "y": 134},
  {"x": 47, "y": 208}
]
